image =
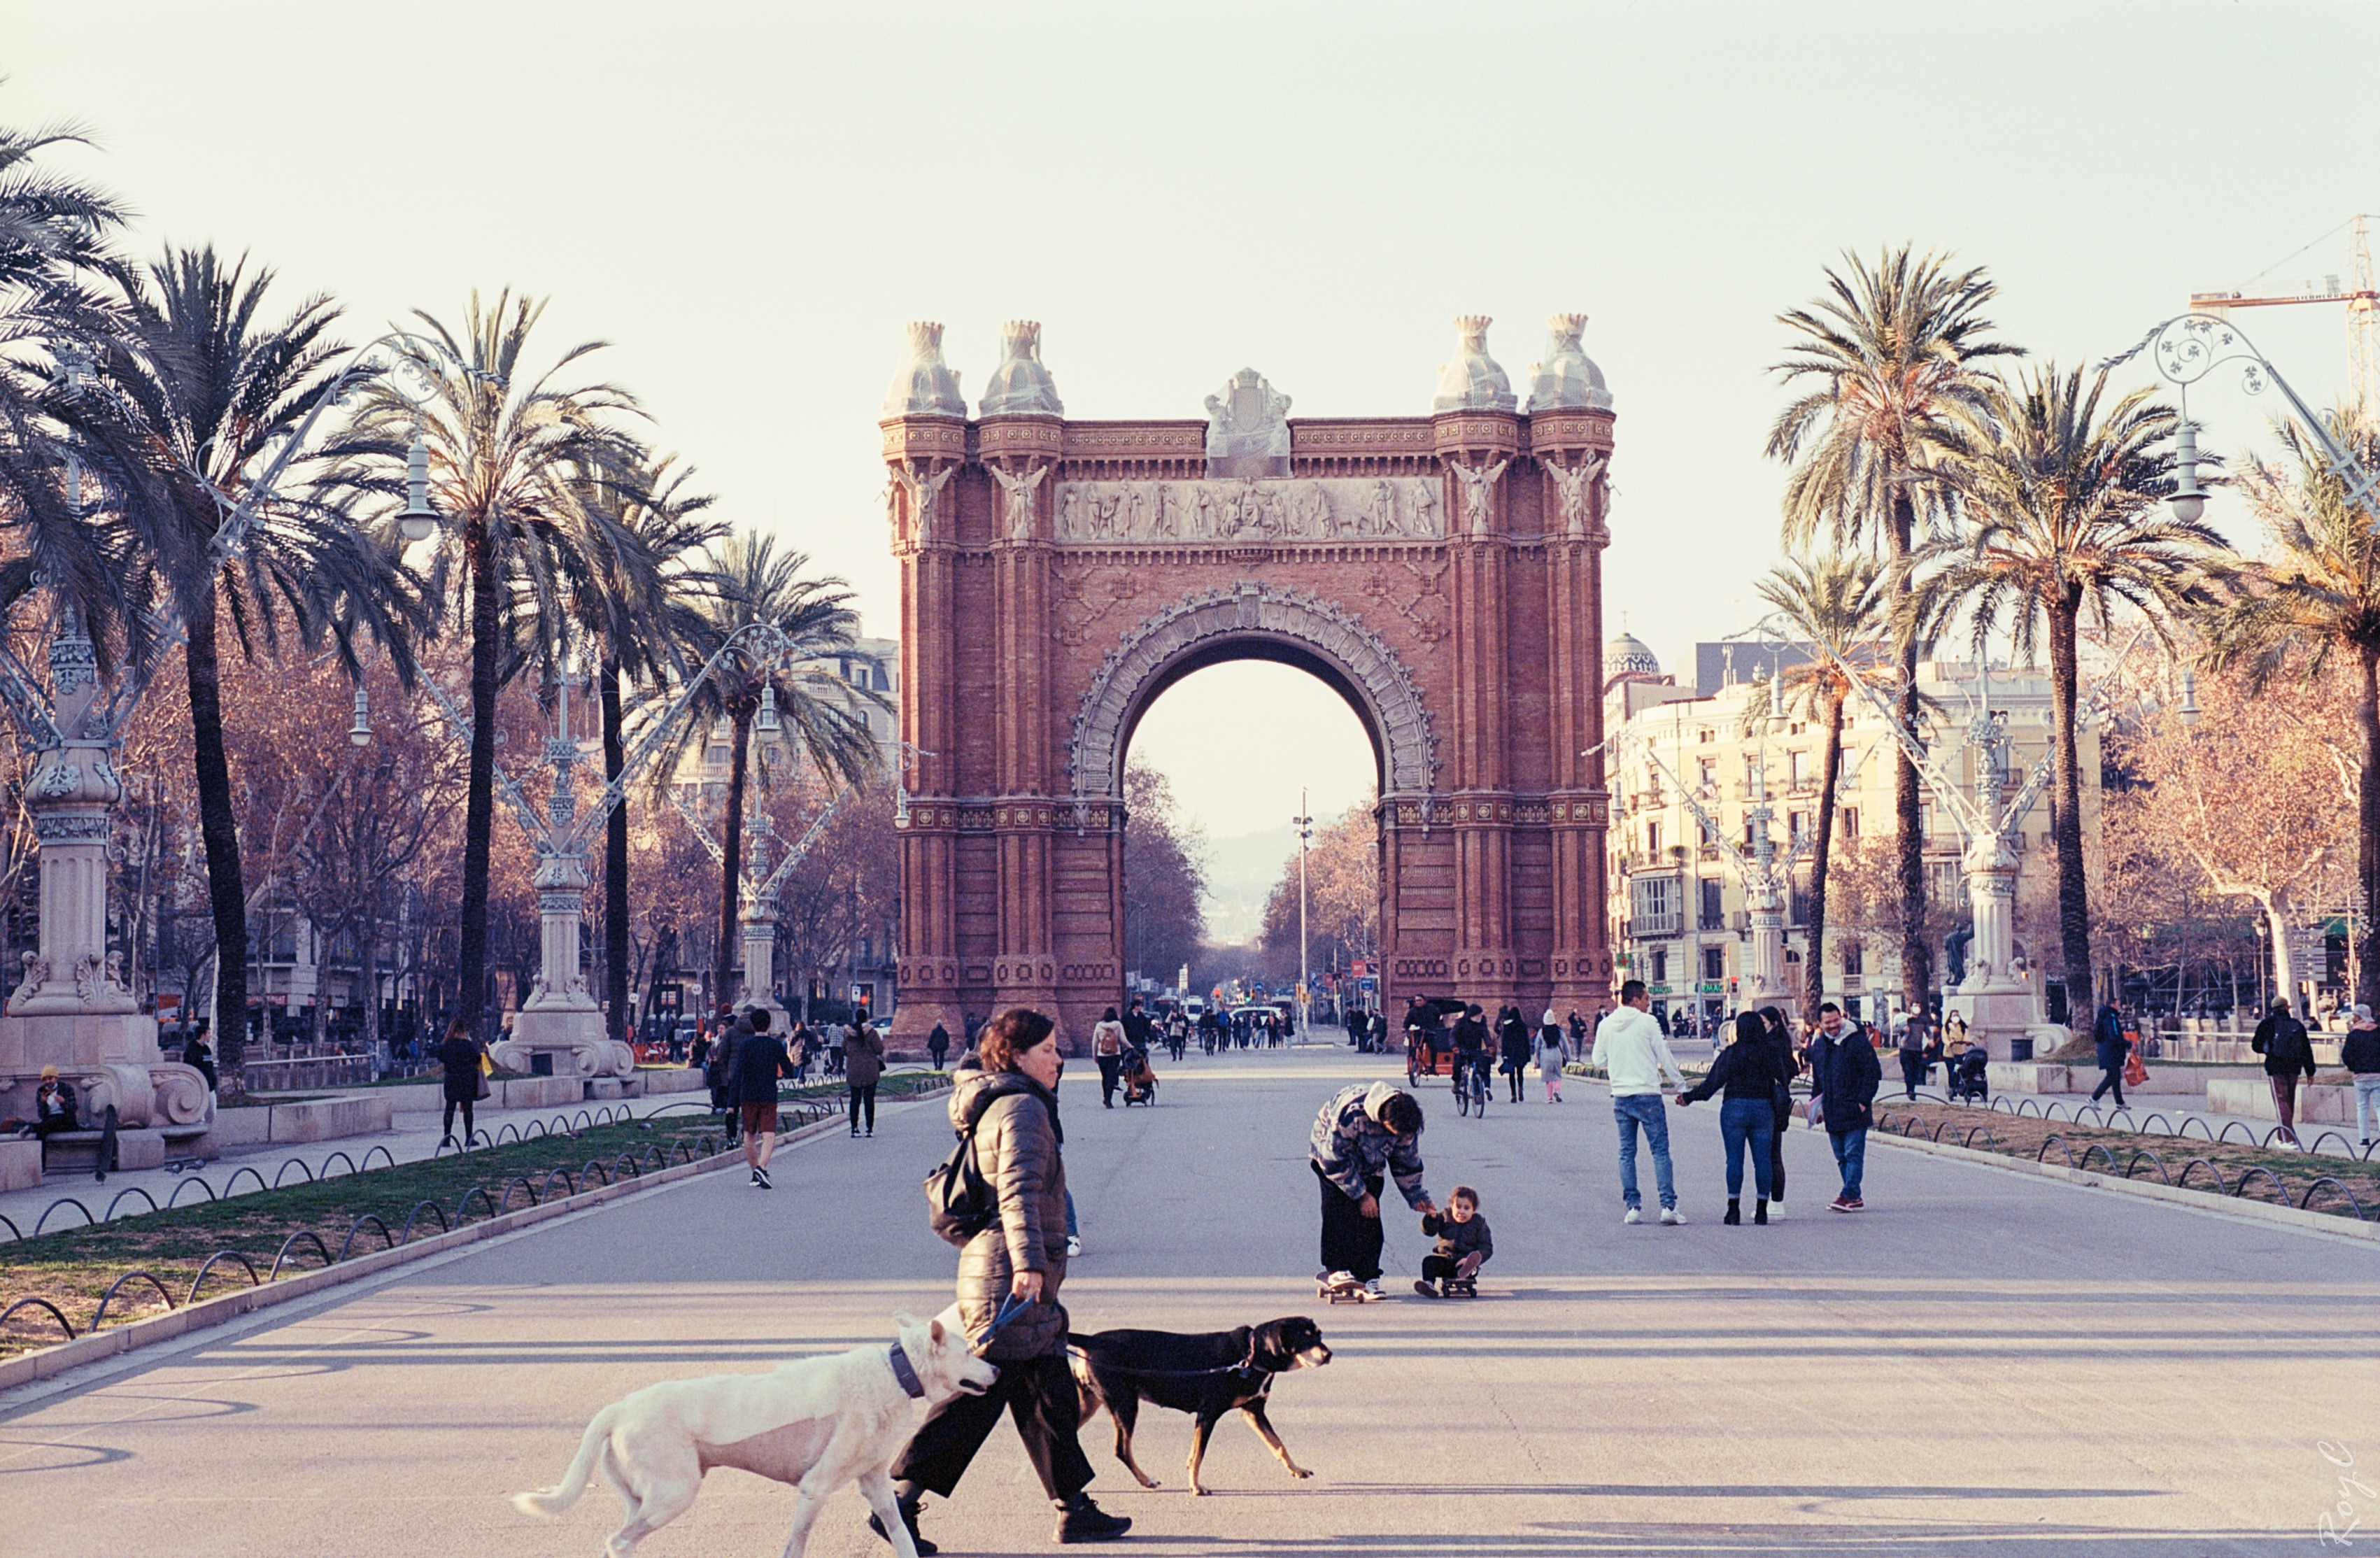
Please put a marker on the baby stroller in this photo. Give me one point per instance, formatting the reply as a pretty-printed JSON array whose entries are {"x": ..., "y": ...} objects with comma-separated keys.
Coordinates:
[
  {"x": 1964, "y": 1076},
  {"x": 1139, "y": 1078}
]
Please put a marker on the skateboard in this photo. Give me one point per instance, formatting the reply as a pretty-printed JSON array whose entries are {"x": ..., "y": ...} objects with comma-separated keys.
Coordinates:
[
  {"x": 1344, "y": 1292},
  {"x": 1460, "y": 1287}
]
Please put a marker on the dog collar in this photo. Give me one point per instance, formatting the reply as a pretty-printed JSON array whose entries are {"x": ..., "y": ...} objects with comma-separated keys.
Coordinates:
[{"x": 906, "y": 1372}]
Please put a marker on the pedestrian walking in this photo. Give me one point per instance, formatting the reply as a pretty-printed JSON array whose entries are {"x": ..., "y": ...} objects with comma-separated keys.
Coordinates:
[
  {"x": 1634, "y": 1054},
  {"x": 1364, "y": 1136},
  {"x": 1002, "y": 1096},
  {"x": 863, "y": 1066},
  {"x": 1912, "y": 1045},
  {"x": 2288, "y": 1055},
  {"x": 1551, "y": 1056},
  {"x": 2359, "y": 1053},
  {"x": 199, "y": 1054},
  {"x": 1844, "y": 1077},
  {"x": 761, "y": 1059},
  {"x": 1107, "y": 1051},
  {"x": 459, "y": 1057},
  {"x": 1776, "y": 1034},
  {"x": 799, "y": 1046},
  {"x": 1512, "y": 1047},
  {"x": 2107, "y": 1039},
  {"x": 938, "y": 1044},
  {"x": 1745, "y": 1074},
  {"x": 835, "y": 1033}
]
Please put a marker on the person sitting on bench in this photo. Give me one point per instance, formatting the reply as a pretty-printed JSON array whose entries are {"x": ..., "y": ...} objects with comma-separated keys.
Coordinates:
[{"x": 54, "y": 1105}]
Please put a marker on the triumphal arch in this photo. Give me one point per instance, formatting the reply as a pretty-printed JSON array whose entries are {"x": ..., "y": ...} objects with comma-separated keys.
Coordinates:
[{"x": 1442, "y": 571}]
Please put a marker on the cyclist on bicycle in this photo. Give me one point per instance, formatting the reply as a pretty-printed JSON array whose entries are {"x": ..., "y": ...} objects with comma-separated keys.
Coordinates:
[{"x": 1470, "y": 1046}]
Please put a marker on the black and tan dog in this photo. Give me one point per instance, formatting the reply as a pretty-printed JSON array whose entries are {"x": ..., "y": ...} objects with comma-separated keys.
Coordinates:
[{"x": 1206, "y": 1376}]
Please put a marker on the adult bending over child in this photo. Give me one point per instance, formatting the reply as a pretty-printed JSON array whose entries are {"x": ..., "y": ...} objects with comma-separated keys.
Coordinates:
[{"x": 1364, "y": 1134}]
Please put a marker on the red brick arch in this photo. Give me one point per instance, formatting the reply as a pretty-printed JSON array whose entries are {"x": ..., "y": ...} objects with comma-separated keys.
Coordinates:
[{"x": 1442, "y": 573}]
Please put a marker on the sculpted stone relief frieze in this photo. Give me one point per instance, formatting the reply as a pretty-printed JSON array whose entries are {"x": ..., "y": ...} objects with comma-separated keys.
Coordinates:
[{"x": 1321, "y": 509}]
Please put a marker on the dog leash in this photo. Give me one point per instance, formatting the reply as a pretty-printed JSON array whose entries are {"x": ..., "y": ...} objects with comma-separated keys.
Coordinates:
[{"x": 1010, "y": 1309}]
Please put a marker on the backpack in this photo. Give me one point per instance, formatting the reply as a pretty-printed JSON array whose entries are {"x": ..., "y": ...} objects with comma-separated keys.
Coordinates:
[{"x": 959, "y": 1202}]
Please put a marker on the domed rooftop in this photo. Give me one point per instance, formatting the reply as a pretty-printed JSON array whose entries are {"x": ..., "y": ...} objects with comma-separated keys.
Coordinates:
[{"x": 1628, "y": 655}]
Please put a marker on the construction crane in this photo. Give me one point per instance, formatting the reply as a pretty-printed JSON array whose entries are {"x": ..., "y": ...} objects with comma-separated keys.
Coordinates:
[{"x": 2358, "y": 294}]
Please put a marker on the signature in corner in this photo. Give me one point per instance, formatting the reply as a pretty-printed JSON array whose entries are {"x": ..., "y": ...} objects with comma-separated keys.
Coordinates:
[{"x": 2350, "y": 1489}]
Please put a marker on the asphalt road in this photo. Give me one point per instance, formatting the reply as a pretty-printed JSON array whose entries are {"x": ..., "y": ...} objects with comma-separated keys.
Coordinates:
[{"x": 1981, "y": 1363}]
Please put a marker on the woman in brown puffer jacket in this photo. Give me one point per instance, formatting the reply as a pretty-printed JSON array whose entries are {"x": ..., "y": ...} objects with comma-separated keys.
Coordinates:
[
  {"x": 863, "y": 1066},
  {"x": 1005, "y": 1094}
]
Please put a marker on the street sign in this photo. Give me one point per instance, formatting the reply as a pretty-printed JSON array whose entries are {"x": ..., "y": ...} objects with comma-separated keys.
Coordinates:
[{"x": 1369, "y": 985}]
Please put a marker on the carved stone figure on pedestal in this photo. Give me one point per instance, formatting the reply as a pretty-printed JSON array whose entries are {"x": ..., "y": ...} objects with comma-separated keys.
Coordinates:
[
  {"x": 1478, "y": 485},
  {"x": 924, "y": 489},
  {"x": 1247, "y": 428}
]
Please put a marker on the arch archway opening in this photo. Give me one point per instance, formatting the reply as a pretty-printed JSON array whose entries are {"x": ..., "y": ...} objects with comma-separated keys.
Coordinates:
[{"x": 1222, "y": 742}]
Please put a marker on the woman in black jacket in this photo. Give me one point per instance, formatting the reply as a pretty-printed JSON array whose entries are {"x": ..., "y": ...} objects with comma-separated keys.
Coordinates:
[
  {"x": 1746, "y": 1072},
  {"x": 1512, "y": 1047},
  {"x": 459, "y": 1054}
]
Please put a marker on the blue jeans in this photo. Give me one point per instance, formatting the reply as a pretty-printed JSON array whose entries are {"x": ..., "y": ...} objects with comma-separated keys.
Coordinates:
[
  {"x": 1648, "y": 1110},
  {"x": 2367, "y": 1104},
  {"x": 1751, "y": 1120},
  {"x": 1850, "y": 1154}
]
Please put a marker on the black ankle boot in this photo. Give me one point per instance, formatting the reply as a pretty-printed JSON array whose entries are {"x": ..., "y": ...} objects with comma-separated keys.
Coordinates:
[
  {"x": 1081, "y": 1520},
  {"x": 1734, "y": 1212},
  {"x": 1760, "y": 1213},
  {"x": 908, "y": 1508}
]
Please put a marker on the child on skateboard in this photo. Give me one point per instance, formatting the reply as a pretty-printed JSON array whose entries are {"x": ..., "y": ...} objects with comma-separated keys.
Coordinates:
[{"x": 1463, "y": 1246}]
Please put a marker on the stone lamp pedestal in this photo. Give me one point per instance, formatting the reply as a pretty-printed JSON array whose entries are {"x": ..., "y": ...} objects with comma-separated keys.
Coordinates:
[
  {"x": 561, "y": 1019},
  {"x": 760, "y": 964},
  {"x": 1998, "y": 1002},
  {"x": 72, "y": 1009}
]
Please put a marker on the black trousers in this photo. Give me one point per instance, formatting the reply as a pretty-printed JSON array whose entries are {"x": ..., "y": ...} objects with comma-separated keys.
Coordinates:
[
  {"x": 2111, "y": 1076},
  {"x": 465, "y": 1105},
  {"x": 1784, "y": 1116},
  {"x": 1436, "y": 1268},
  {"x": 862, "y": 1097},
  {"x": 1111, "y": 1068},
  {"x": 1351, "y": 1241},
  {"x": 1039, "y": 1394},
  {"x": 1912, "y": 1070}
]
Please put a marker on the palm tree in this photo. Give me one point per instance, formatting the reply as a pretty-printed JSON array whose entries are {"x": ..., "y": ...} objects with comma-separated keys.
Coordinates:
[
  {"x": 1844, "y": 601},
  {"x": 1891, "y": 352},
  {"x": 52, "y": 308},
  {"x": 2067, "y": 505},
  {"x": 754, "y": 584},
  {"x": 503, "y": 447},
  {"x": 2315, "y": 603},
  {"x": 208, "y": 389},
  {"x": 637, "y": 606}
]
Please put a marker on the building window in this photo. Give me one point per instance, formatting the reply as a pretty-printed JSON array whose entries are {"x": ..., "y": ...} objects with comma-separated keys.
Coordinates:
[
  {"x": 1797, "y": 826},
  {"x": 1797, "y": 766},
  {"x": 1654, "y": 910},
  {"x": 1854, "y": 958},
  {"x": 1710, "y": 770},
  {"x": 1714, "y": 906},
  {"x": 1661, "y": 967},
  {"x": 1705, "y": 737},
  {"x": 1848, "y": 825},
  {"x": 1714, "y": 964},
  {"x": 1652, "y": 839}
]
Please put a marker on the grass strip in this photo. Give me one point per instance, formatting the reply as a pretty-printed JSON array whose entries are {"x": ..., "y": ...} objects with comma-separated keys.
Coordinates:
[{"x": 2274, "y": 1176}]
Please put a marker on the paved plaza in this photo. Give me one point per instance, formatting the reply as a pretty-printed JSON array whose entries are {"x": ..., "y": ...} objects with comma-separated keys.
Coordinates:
[{"x": 1982, "y": 1363}]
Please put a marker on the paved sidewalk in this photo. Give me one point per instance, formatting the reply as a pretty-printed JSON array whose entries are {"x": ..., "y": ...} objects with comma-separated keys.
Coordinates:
[{"x": 1983, "y": 1363}]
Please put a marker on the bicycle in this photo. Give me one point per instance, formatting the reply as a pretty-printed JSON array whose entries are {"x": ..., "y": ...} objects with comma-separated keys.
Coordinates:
[{"x": 1471, "y": 1086}]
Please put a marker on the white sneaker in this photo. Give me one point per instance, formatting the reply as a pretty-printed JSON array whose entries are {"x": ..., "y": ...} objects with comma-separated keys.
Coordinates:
[
  {"x": 1632, "y": 1215},
  {"x": 1337, "y": 1279},
  {"x": 1672, "y": 1216},
  {"x": 1074, "y": 1247},
  {"x": 1775, "y": 1212},
  {"x": 1373, "y": 1289}
]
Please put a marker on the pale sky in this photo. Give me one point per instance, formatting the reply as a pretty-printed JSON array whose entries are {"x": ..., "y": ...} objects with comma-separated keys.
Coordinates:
[{"x": 750, "y": 200}]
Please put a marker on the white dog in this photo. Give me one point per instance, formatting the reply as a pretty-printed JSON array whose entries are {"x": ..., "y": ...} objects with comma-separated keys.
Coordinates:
[{"x": 817, "y": 1423}]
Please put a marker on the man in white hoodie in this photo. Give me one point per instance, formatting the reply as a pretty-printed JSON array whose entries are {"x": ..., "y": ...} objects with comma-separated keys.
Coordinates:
[{"x": 1635, "y": 1054}]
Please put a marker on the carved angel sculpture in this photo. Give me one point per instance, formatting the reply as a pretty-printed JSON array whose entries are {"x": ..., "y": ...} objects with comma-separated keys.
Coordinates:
[
  {"x": 1477, "y": 484},
  {"x": 1572, "y": 483},
  {"x": 925, "y": 494},
  {"x": 1019, "y": 488}
]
